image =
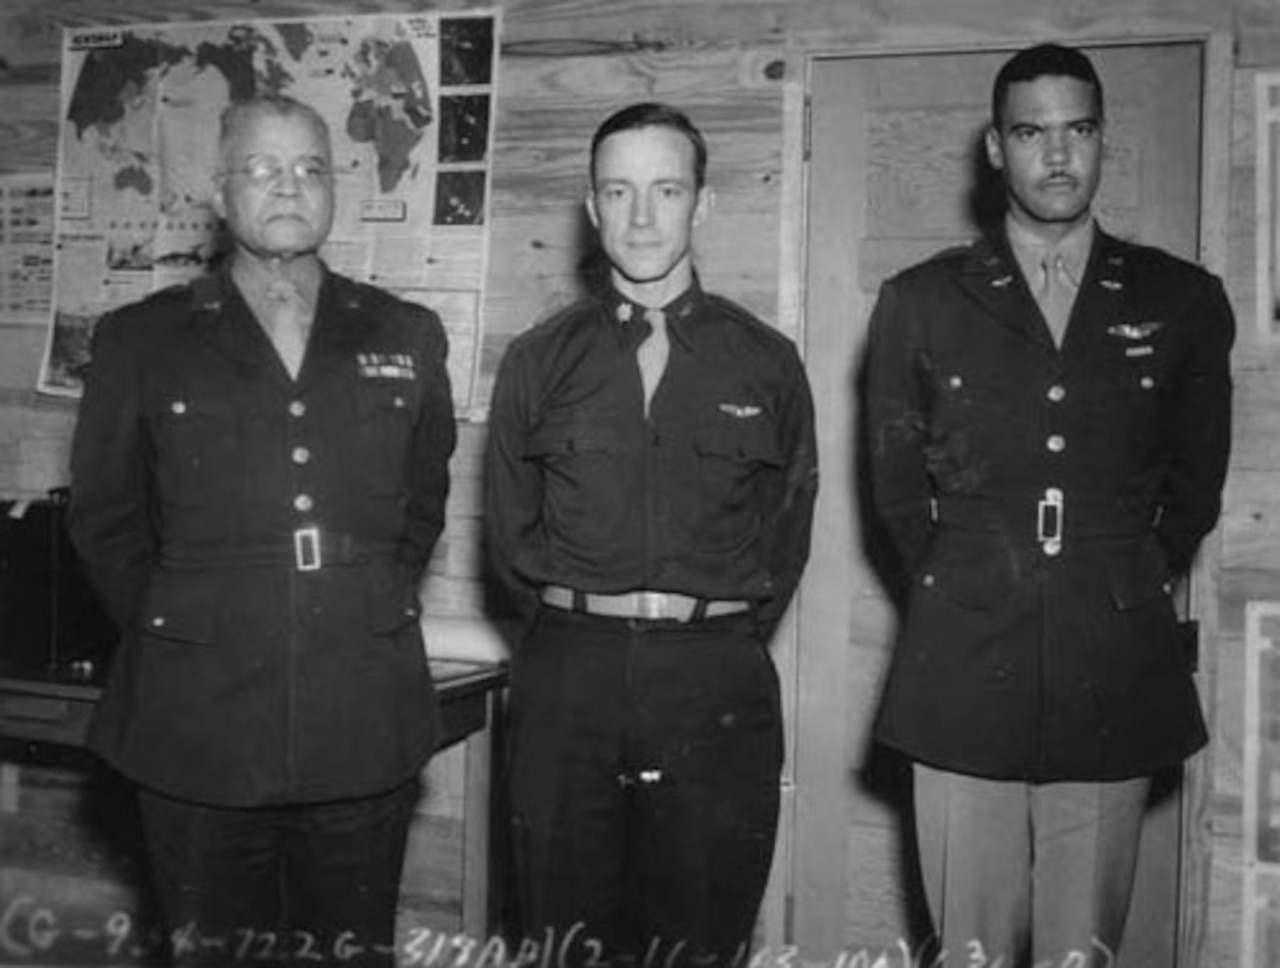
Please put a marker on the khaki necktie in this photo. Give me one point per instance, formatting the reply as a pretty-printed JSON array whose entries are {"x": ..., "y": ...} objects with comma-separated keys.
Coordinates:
[
  {"x": 288, "y": 322},
  {"x": 1056, "y": 294},
  {"x": 652, "y": 353}
]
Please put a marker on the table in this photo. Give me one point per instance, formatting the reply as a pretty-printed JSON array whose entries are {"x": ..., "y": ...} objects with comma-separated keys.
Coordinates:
[{"x": 54, "y": 706}]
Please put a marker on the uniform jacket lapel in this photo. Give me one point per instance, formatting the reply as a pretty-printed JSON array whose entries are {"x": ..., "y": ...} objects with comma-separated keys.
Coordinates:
[
  {"x": 225, "y": 322},
  {"x": 1103, "y": 299},
  {"x": 991, "y": 277},
  {"x": 342, "y": 326}
]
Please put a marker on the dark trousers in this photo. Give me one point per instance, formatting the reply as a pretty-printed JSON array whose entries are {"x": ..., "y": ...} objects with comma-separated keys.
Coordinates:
[
  {"x": 645, "y": 763},
  {"x": 313, "y": 884}
]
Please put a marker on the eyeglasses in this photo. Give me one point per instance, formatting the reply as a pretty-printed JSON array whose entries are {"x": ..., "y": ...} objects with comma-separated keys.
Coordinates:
[{"x": 261, "y": 172}]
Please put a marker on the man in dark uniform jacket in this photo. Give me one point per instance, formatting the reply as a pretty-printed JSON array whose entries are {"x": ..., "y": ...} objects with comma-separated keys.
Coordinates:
[
  {"x": 259, "y": 477},
  {"x": 1050, "y": 423},
  {"x": 651, "y": 478}
]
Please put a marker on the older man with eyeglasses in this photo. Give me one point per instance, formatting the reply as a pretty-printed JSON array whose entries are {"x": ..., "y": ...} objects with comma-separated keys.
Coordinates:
[{"x": 259, "y": 476}]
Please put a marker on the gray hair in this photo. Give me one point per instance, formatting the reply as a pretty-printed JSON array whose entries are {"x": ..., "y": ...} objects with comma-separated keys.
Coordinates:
[{"x": 237, "y": 116}]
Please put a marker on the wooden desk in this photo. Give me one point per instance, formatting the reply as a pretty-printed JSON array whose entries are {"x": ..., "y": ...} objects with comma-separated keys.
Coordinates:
[
  {"x": 48, "y": 708},
  {"x": 55, "y": 707}
]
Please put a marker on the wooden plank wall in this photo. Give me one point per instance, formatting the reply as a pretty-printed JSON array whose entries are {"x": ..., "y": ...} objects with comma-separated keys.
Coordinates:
[{"x": 736, "y": 66}]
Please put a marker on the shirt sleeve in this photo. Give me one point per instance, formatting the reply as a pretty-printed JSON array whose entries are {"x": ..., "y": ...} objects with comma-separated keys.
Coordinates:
[
  {"x": 896, "y": 428},
  {"x": 110, "y": 519},
  {"x": 790, "y": 524},
  {"x": 433, "y": 443},
  {"x": 1198, "y": 432},
  {"x": 513, "y": 490}
]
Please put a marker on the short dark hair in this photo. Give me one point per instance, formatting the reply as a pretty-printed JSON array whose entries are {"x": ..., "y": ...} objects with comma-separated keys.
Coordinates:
[
  {"x": 1043, "y": 60},
  {"x": 239, "y": 113},
  {"x": 651, "y": 114}
]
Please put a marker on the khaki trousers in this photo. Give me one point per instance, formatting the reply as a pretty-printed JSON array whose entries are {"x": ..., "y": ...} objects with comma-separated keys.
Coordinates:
[{"x": 1030, "y": 874}]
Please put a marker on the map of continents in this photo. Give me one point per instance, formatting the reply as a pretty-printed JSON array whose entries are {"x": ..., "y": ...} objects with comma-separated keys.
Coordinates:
[{"x": 140, "y": 113}]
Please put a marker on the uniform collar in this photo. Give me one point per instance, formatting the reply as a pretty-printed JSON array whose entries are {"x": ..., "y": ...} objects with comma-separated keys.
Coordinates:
[
  {"x": 989, "y": 272},
  {"x": 1030, "y": 251},
  {"x": 679, "y": 313},
  {"x": 343, "y": 321}
]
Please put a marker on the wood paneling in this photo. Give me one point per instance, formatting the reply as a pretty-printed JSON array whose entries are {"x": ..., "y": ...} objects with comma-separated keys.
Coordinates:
[{"x": 565, "y": 64}]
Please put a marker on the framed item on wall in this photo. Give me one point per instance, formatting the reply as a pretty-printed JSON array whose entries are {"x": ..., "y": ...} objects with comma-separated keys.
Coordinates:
[{"x": 1267, "y": 196}]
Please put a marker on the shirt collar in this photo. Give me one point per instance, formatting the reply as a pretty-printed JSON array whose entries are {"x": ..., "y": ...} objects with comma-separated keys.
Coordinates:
[
  {"x": 1029, "y": 250},
  {"x": 679, "y": 313}
]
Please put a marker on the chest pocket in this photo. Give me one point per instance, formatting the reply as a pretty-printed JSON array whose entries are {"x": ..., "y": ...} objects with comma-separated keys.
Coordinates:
[
  {"x": 385, "y": 412},
  {"x": 197, "y": 439},
  {"x": 735, "y": 458}
]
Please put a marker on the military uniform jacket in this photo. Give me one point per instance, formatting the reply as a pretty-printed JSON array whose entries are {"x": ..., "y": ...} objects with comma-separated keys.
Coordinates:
[
  {"x": 259, "y": 542},
  {"x": 1041, "y": 500}
]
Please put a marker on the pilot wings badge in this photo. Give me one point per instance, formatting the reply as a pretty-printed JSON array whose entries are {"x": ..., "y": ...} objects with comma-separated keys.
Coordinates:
[{"x": 1135, "y": 331}]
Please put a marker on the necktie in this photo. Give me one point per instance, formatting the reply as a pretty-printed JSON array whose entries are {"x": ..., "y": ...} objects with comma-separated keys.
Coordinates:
[
  {"x": 1056, "y": 294},
  {"x": 288, "y": 319},
  {"x": 652, "y": 353}
]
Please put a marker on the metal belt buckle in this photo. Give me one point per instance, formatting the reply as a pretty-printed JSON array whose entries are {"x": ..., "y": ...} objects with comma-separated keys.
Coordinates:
[
  {"x": 306, "y": 549},
  {"x": 653, "y": 605},
  {"x": 1049, "y": 521}
]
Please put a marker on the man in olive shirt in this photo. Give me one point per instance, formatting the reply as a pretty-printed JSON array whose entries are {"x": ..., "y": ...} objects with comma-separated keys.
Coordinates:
[{"x": 651, "y": 478}]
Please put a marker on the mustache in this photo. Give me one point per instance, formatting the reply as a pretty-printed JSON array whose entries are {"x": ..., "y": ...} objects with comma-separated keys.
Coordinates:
[{"x": 1058, "y": 178}]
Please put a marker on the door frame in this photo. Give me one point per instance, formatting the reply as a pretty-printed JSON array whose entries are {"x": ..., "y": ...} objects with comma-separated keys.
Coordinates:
[{"x": 781, "y": 913}]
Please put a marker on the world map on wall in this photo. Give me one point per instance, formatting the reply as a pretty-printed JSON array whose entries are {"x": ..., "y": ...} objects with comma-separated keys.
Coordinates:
[
  {"x": 407, "y": 99},
  {"x": 379, "y": 82}
]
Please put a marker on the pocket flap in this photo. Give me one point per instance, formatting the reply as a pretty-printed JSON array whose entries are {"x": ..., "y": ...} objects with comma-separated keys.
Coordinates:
[
  {"x": 393, "y": 600},
  {"x": 181, "y": 606},
  {"x": 976, "y": 573},
  {"x": 1138, "y": 576},
  {"x": 750, "y": 441},
  {"x": 562, "y": 438},
  {"x": 385, "y": 397}
]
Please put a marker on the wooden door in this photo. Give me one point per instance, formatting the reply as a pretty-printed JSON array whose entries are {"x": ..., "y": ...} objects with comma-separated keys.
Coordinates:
[{"x": 896, "y": 173}]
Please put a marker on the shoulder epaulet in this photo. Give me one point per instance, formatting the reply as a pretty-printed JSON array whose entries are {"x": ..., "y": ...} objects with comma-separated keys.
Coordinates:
[
  {"x": 740, "y": 314},
  {"x": 952, "y": 253},
  {"x": 950, "y": 259},
  {"x": 547, "y": 326}
]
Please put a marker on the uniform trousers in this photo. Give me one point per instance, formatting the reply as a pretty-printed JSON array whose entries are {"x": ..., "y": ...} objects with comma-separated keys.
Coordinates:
[
  {"x": 1018, "y": 873},
  {"x": 646, "y": 758},
  {"x": 306, "y": 884}
]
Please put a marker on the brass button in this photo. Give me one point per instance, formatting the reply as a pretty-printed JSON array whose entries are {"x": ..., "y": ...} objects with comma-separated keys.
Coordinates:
[
  {"x": 1056, "y": 443},
  {"x": 300, "y": 455},
  {"x": 303, "y": 502},
  {"x": 297, "y": 408},
  {"x": 1057, "y": 393}
]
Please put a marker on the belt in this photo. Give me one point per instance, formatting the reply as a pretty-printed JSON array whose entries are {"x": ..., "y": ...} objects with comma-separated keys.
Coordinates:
[
  {"x": 307, "y": 549},
  {"x": 655, "y": 606},
  {"x": 1048, "y": 521}
]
